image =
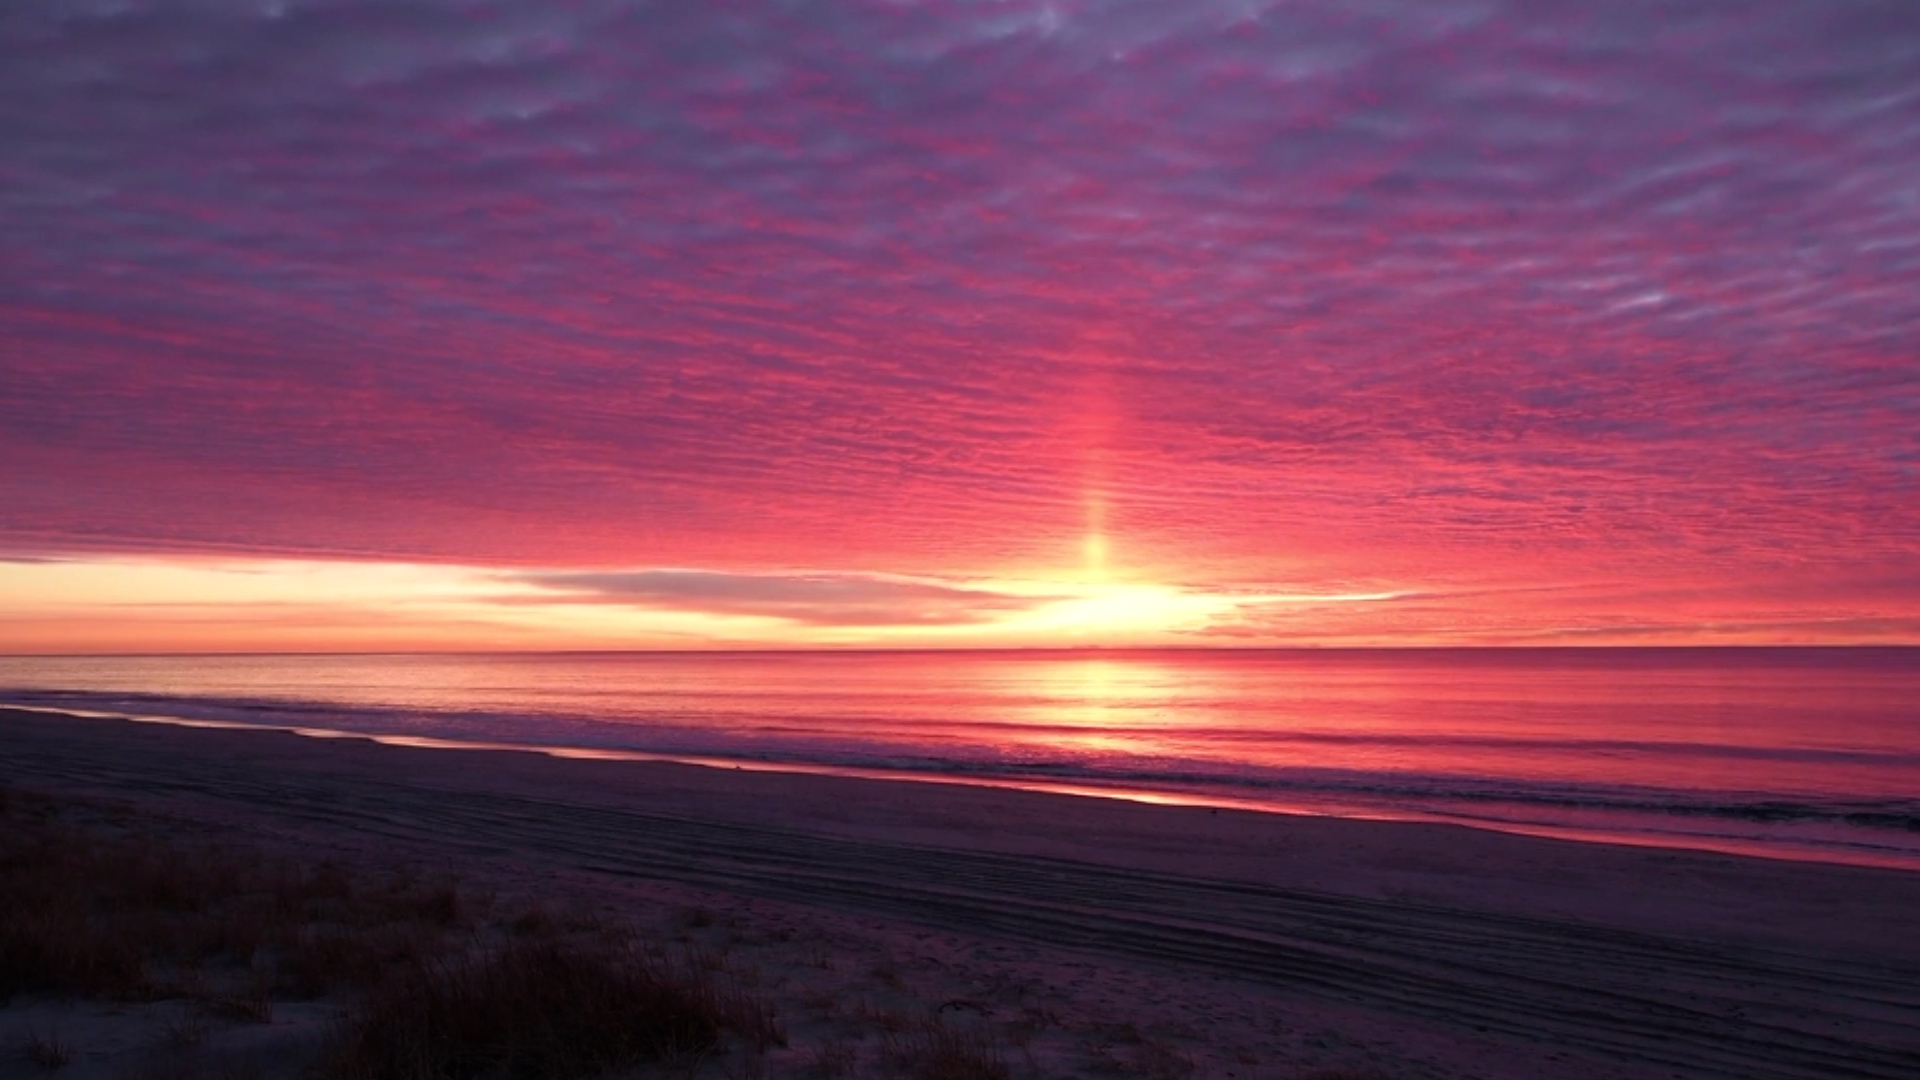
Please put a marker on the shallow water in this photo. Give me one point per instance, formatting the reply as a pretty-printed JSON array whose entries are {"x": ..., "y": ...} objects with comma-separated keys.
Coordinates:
[{"x": 1801, "y": 753}]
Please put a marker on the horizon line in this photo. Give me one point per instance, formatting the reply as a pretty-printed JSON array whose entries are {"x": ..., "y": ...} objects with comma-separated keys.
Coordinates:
[{"x": 923, "y": 650}]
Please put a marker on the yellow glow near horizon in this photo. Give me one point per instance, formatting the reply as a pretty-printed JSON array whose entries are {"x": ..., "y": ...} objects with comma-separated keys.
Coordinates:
[
  {"x": 126, "y": 604},
  {"x": 132, "y": 583},
  {"x": 1122, "y": 611},
  {"x": 242, "y": 605}
]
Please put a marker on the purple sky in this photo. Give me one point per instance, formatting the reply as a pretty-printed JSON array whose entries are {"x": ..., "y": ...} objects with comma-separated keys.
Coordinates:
[{"x": 1549, "y": 318}]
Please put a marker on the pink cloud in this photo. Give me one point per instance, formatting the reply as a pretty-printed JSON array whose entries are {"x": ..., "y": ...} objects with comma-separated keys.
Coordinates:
[{"x": 1447, "y": 296}]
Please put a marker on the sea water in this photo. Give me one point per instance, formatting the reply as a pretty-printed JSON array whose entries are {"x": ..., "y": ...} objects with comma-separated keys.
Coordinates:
[{"x": 1796, "y": 753}]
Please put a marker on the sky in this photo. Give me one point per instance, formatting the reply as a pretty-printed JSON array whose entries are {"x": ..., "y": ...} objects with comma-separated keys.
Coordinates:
[{"x": 424, "y": 324}]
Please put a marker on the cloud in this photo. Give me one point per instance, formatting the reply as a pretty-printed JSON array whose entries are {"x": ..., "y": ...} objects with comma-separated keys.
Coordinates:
[
  {"x": 829, "y": 600},
  {"x": 1455, "y": 292}
]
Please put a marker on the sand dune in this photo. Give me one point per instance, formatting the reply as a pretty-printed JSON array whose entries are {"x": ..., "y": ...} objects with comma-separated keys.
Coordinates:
[{"x": 1635, "y": 962}]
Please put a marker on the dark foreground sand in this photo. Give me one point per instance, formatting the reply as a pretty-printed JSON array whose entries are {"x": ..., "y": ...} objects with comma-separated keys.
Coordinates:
[{"x": 1160, "y": 941}]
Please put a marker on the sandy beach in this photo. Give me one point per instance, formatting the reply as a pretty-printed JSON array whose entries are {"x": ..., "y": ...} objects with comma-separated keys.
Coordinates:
[{"x": 1152, "y": 940}]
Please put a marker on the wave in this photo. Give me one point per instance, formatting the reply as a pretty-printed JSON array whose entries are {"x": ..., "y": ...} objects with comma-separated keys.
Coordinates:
[
  {"x": 1505, "y": 799},
  {"x": 1426, "y": 789}
]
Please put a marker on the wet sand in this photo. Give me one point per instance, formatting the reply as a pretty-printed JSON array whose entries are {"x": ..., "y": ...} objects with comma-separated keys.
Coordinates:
[{"x": 1271, "y": 945}]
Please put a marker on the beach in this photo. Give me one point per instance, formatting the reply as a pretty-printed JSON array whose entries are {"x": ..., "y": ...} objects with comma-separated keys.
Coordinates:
[
  {"x": 1014, "y": 540},
  {"x": 1226, "y": 943}
]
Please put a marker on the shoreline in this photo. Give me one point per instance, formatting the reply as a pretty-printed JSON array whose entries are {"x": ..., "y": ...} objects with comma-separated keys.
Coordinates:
[
  {"x": 1459, "y": 952},
  {"x": 1777, "y": 850}
]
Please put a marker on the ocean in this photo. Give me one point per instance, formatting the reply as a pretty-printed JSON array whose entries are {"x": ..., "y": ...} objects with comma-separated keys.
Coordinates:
[{"x": 1806, "y": 753}]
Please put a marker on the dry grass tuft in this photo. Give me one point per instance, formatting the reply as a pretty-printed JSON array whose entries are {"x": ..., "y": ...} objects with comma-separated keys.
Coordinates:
[
  {"x": 48, "y": 1051},
  {"x": 541, "y": 1008},
  {"x": 832, "y": 1059},
  {"x": 938, "y": 1052},
  {"x": 249, "y": 1004},
  {"x": 185, "y": 1030},
  {"x": 107, "y": 911},
  {"x": 98, "y": 908}
]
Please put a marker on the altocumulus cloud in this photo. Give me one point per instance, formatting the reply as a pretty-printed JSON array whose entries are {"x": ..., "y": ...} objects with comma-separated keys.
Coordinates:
[{"x": 1452, "y": 292}]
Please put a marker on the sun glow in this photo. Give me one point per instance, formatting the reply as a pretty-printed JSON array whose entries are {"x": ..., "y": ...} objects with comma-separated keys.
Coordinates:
[
  {"x": 1095, "y": 549},
  {"x": 270, "y": 605},
  {"x": 1122, "y": 612}
]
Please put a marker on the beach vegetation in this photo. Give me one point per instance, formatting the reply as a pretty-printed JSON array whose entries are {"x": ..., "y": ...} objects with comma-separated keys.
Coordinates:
[
  {"x": 102, "y": 905},
  {"x": 832, "y": 1059},
  {"x": 547, "y": 1007},
  {"x": 46, "y": 1049},
  {"x": 938, "y": 1051}
]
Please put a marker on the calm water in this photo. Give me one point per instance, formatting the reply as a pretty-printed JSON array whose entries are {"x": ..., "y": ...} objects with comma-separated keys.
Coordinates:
[{"x": 1806, "y": 753}]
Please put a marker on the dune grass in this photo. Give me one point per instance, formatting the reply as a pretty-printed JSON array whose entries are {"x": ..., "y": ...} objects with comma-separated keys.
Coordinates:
[
  {"x": 545, "y": 1007},
  {"x": 436, "y": 985},
  {"x": 937, "y": 1052},
  {"x": 101, "y": 905}
]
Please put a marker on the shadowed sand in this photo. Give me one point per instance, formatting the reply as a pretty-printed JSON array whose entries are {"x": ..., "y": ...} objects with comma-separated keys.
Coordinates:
[{"x": 1445, "y": 951}]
